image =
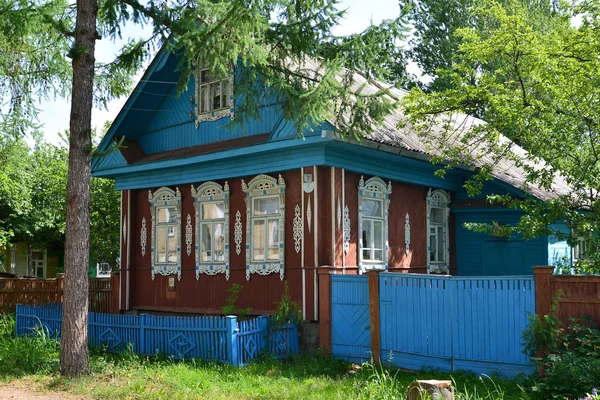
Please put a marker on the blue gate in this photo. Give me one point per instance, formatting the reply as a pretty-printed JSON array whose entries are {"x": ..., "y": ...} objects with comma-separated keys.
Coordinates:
[
  {"x": 350, "y": 327},
  {"x": 452, "y": 323}
]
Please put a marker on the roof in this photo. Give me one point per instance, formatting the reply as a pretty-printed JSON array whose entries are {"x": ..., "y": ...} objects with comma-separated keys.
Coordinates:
[{"x": 389, "y": 133}]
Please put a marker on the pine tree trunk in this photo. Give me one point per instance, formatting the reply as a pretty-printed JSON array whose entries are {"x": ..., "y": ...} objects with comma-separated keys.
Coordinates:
[{"x": 74, "y": 357}]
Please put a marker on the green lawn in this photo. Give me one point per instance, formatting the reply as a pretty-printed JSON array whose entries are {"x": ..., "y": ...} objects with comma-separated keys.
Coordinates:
[{"x": 34, "y": 363}]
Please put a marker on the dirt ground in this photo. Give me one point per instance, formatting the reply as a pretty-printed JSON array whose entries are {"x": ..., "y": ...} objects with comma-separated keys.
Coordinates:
[{"x": 10, "y": 392}]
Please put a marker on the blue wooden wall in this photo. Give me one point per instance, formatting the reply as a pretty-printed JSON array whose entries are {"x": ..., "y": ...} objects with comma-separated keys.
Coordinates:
[
  {"x": 485, "y": 255},
  {"x": 559, "y": 249}
]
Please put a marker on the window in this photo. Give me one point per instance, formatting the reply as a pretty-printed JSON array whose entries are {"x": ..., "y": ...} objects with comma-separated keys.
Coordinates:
[
  {"x": 214, "y": 96},
  {"x": 165, "y": 206},
  {"x": 373, "y": 204},
  {"x": 265, "y": 209},
  {"x": 438, "y": 254},
  {"x": 211, "y": 202},
  {"x": 103, "y": 270},
  {"x": 580, "y": 249},
  {"x": 13, "y": 259}
]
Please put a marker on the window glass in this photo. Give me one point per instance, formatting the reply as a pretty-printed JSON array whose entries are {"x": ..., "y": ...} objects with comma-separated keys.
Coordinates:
[
  {"x": 378, "y": 234},
  {"x": 215, "y": 95},
  {"x": 161, "y": 244},
  {"x": 440, "y": 243},
  {"x": 268, "y": 206},
  {"x": 167, "y": 214},
  {"x": 372, "y": 208},
  {"x": 206, "y": 242},
  {"x": 258, "y": 239},
  {"x": 172, "y": 243},
  {"x": 219, "y": 243},
  {"x": 213, "y": 211},
  {"x": 436, "y": 215}
]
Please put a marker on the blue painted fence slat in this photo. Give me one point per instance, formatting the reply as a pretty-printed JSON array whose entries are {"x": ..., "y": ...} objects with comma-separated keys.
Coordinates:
[
  {"x": 223, "y": 339},
  {"x": 443, "y": 322}
]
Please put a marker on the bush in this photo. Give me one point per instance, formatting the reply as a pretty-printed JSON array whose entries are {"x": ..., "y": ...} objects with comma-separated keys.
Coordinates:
[{"x": 570, "y": 367}]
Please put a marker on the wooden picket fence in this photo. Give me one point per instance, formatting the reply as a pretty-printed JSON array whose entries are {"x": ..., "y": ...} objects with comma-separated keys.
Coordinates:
[
  {"x": 222, "y": 339},
  {"x": 44, "y": 291}
]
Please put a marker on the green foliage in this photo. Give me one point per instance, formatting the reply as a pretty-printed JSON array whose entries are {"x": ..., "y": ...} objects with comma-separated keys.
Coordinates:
[
  {"x": 105, "y": 211},
  {"x": 532, "y": 76},
  {"x": 20, "y": 356},
  {"x": 542, "y": 335},
  {"x": 32, "y": 60},
  {"x": 572, "y": 368},
  {"x": 287, "y": 311},
  {"x": 230, "y": 307}
]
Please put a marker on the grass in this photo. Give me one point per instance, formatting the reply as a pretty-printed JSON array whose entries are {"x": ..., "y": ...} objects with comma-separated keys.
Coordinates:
[{"x": 33, "y": 362}]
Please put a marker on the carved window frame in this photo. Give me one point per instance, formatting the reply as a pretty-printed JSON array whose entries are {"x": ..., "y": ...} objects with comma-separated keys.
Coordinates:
[
  {"x": 211, "y": 193},
  {"x": 212, "y": 114},
  {"x": 264, "y": 187},
  {"x": 373, "y": 189},
  {"x": 438, "y": 199},
  {"x": 165, "y": 197}
]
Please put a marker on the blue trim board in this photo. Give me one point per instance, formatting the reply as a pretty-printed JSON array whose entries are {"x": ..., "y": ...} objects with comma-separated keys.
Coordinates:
[{"x": 277, "y": 156}]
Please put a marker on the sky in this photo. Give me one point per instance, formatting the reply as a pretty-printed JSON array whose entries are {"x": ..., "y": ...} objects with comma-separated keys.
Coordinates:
[{"x": 54, "y": 115}]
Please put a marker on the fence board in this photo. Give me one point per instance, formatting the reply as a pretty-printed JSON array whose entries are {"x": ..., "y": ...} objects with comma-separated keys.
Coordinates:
[
  {"x": 210, "y": 338},
  {"x": 350, "y": 334}
]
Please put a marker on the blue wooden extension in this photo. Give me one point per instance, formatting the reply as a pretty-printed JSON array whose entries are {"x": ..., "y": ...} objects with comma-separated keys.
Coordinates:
[
  {"x": 221, "y": 339},
  {"x": 350, "y": 328},
  {"x": 455, "y": 323}
]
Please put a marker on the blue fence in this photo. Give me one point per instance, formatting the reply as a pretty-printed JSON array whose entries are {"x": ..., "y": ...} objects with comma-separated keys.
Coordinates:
[
  {"x": 223, "y": 339},
  {"x": 426, "y": 321}
]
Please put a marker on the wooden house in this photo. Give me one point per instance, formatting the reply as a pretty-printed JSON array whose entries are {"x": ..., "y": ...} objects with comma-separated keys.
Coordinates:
[{"x": 205, "y": 206}]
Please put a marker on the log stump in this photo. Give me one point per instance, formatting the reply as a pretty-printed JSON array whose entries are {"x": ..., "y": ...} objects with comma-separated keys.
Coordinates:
[{"x": 436, "y": 390}]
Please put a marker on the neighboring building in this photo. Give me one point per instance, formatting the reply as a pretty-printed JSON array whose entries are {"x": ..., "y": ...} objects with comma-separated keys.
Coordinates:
[
  {"x": 205, "y": 206},
  {"x": 31, "y": 259}
]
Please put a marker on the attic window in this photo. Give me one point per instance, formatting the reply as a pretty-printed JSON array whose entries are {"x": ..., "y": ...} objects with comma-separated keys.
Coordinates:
[{"x": 214, "y": 96}]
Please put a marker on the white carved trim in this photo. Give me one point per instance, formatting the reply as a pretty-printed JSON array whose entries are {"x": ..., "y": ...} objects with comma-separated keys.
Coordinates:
[
  {"x": 339, "y": 214},
  {"x": 407, "y": 234},
  {"x": 188, "y": 234},
  {"x": 374, "y": 188},
  {"x": 143, "y": 236},
  {"x": 346, "y": 230},
  {"x": 165, "y": 197},
  {"x": 309, "y": 214},
  {"x": 264, "y": 185},
  {"x": 297, "y": 229},
  {"x": 439, "y": 199},
  {"x": 237, "y": 232},
  {"x": 125, "y": 229},
  {"x": 212, "y": 192}
]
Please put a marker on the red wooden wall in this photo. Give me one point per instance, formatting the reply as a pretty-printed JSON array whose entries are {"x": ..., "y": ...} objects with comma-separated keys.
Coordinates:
[{"x": 321, "y": 209}]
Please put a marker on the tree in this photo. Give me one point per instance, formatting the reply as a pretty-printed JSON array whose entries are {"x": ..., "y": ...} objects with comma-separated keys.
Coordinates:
[
  {"x": 541, "y": 89},
  {"x": 32, "y": 60},
  {"x": 435, "y": 42}
]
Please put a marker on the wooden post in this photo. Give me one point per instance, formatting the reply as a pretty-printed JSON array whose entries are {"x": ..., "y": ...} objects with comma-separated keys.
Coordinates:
[
  {"x": 325, "y": 306},
  {"x": 374, "y": 316},
  {"x": 59, "y": 287},
  {"x": 114, "y": 293},
  {"x": 232, "y": 340},
  {"x": 543, "y": 293}
]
